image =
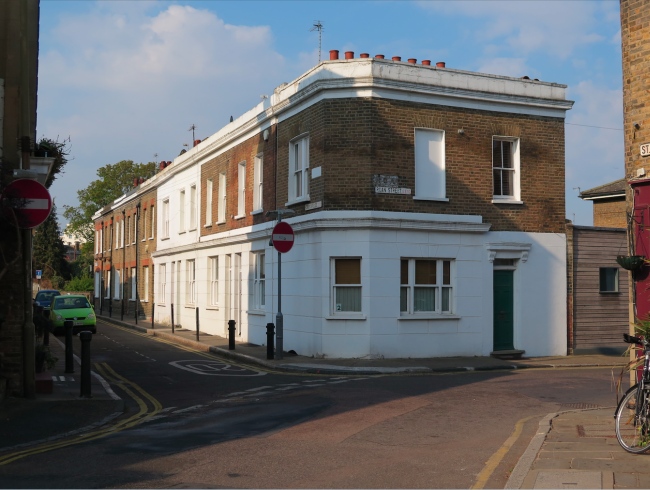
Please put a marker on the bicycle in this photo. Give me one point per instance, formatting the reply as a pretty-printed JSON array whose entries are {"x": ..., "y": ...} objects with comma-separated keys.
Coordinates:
[{"x": 632, "y": 414}]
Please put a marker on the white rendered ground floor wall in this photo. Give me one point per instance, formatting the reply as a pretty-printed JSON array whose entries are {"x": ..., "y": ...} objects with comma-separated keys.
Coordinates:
[{"x": 234, "y": 276}]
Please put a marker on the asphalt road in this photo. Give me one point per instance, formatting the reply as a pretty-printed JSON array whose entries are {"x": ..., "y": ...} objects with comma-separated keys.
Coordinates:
[{"x": 195, "y": 421}]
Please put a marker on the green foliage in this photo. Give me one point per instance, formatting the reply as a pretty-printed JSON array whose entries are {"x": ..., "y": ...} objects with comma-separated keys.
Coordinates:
[
  {"x": 57, "y": 282},
  {"x": 50, "y": 148},
  {"x": 114, "y": 181},
  {"x": 80, "y": 284},
  {"x": 49, "y": 250}
]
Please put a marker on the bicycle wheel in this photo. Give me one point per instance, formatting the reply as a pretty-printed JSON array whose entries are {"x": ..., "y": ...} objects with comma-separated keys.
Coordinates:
[{"x": 632, "y": 425}]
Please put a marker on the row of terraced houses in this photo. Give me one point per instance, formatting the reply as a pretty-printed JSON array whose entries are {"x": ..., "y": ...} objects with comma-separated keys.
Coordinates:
[{"x": 427, "y": 204}]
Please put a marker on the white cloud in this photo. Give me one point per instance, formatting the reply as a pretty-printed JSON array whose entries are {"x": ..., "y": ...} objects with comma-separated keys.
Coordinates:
[{"x": 556, "y": 28}]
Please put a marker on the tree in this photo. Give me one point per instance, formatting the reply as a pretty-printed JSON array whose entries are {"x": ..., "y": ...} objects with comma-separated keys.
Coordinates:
[
  {"x": 51, "y": 148},
  {"x": 49, "y": 251},
  {"x": 114, "y": 181}
]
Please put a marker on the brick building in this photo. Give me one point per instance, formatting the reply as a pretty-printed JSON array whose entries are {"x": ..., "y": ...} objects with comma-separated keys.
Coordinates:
[
  {"x": 124, "y": 242},
  {"x": 427, "y": 205},
  {"x": 608, "y": 204},
  {"x": 18, "y": 87},
  {"x": 635, "y": 31}
]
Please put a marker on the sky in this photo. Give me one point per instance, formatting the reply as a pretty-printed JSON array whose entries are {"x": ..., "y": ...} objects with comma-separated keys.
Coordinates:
[{"x": 126, "y": 79}]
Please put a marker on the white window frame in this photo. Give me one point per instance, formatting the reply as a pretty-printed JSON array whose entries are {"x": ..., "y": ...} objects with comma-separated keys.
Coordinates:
[
  {"x": 335, "y": 307},
  {"x": 162, "y": 283},
  {"x": 145, "y": 284},
  {"x": 443, "y": 295},
  {"x": 108, "y": 284},
  {"x": 222, "y": 199},
  {"x": 190, "y": 278},
  {"x": 181, "y": 212},
  {"x": 128, "y": 231},
  {"x": 299, "y": 168},
  {"x": 153, "y": 222},
  {"x": 98, "y": 284},
  {"x": 497, "y": 168},
  {"x": 209, "y": 185},
  {"x": 134, "y": 289},
  {"x": 258, "y": 183},
  {"x": 241, "y": 190},
  {"x": 213, "y": 281},
  {"x": 144, "y": 224},
  {"x": 117, "y": 233},
  {"x": 259, "y": 280},
  {"x": 193, "y": 207},
  {"x": 118, "y": 285},
  {"x": 135, "y": 227},
  {"x": 430, "y": 172},
  {"x": 165, "y": 219}
]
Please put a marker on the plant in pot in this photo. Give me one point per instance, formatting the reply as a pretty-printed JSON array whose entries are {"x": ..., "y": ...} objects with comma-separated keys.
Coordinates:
[
  {"x": 631, "y": 262},
  {"x": 43, "y": 358}
]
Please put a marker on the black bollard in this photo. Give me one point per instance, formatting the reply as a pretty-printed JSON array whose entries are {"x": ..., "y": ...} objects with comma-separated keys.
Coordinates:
[
  {"x": 153, "y": 309},
  {"x": 69, "y": 360},
  {"x": 197, "y": 323},
  {"x": 231, "y": 334},
  {"x": 85, "y": 337},
  {"x": 110, "y": 308},
  {"x": 173, "y": 318},
  {"x": 270, "y": 334},
  {"x": 48, "y": 326},
  {"x": 136, "y": 312}
]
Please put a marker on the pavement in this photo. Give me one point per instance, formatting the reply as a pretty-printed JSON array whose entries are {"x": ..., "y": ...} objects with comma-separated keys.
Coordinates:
[{"x": 571, "y": 449}]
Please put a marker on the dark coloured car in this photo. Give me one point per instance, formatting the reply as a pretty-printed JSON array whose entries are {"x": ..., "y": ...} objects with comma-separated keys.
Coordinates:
[{"x": 44, "y": 298}]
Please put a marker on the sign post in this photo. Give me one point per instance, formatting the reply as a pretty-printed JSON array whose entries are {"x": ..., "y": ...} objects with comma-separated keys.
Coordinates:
[
  {"x": 283, "y": 239},
  {"x": 26, "y": 203}
]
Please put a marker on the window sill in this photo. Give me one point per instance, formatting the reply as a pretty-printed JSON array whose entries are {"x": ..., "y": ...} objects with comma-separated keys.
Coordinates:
[
  {"x": 257, "y": 312},
  {"x": 220, "y": 222},
  {"x": 297, "y": 201},
  {"x": 346, "y": 316},
  {"x": 212, "y": 308},
  {"x": 609, "y": 292},
  {"x": 208, "y": 225},
  {"x": 438, "y": 199},
  {"x": 181, "y": 232},
  {"x": 428, "y": 317},
  {"x": 257, "y": 211},
  {"x": 239, "y": 216},
  {"x": 190, "y": 307},
  {"x": 164, "y": 238},
  {"x": 506, "y": 201}
]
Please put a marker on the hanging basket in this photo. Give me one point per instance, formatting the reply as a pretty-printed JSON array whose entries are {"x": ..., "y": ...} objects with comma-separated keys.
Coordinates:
[{"x": 630, "y": 262}]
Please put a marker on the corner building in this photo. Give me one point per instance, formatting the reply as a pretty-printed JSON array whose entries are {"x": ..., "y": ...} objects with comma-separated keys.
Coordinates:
[{"x": 429, "y": 215}]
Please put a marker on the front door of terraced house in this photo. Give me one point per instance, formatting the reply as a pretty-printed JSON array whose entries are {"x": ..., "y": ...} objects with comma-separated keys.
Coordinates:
[{"x": 503, "y": 291}]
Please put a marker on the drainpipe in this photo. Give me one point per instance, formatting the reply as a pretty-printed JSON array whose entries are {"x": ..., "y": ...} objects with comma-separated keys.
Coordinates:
[
  {"x": 137, "y": 263},
  {"x": 123, "y": 269}
]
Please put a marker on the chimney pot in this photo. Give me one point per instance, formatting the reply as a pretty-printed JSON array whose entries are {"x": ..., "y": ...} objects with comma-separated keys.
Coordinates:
[
  {"x": 440, "y": 64},
  {"x": 413, "y": 61},
  {"x": 334, "y": 54},
  {"x": 349, "y": 55},
  {"x": 379, "y": 56},
  {"x": 397, "y": 58},
  {"x": 365, "y": 55},
  {"x": 426, "y": 62},
  {"x": 196, "y": 142}
]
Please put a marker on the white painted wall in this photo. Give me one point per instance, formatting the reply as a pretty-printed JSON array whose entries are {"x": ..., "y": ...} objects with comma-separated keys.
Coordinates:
[{"x": 381, "y": 239}]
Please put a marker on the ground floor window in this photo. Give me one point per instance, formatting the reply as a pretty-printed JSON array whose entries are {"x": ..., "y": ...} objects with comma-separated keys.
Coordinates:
[
  {"x": 162, "y": 285},
  {"x": 259, "y": 281},
  {"x": 346, "y": 285},
  {"x": 609, "y": 279},
  {"x": 191, "y": 282},
  {"x": 425, "y": 286},
  {"x": 213, "y": 265}
]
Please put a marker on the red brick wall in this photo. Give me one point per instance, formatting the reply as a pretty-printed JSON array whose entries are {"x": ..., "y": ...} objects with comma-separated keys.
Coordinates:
[{"x": 609, "y": 213}]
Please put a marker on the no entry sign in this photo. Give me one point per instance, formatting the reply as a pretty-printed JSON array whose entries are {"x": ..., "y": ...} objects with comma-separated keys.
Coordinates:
[
  {"x": 26, "y": 203},
  {"x": 283, "y": 237}
]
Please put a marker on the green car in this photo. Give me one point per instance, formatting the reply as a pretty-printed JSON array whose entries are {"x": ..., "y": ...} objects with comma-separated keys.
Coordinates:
[{"x": 74, "y": 307}]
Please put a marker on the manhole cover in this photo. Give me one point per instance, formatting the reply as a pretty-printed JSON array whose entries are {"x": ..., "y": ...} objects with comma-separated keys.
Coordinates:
[{"x": 578, "y": 406}]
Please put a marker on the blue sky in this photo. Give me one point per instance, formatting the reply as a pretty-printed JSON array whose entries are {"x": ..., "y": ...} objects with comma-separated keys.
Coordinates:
[{"x": 125, "y": 79}]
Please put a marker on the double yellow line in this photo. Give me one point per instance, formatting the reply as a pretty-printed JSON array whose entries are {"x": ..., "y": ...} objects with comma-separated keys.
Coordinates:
[{"x": 140, "y": 396}]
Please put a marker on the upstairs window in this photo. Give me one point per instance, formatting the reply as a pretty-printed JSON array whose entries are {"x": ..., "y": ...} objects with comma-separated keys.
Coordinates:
[
  {"x": 181, "y": 211},
  {"x": 193, "y": 207},
  {"x": 221, "y": 212},
  {"x": 208, "y": 202},
  {"x": 298, "y": 168},
  {"x": 505, "y": 169},
  {"x": 257, "y": 183},
  {"x": 430, "y": 182},
  {"x": 241, "y": 189},
  {"x": 165, "y": 219}
]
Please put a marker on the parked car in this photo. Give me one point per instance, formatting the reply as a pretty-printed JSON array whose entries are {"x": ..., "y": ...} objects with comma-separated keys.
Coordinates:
[
  {"x": 44, "y": 297},
  {"x": 73, "y": 307}
]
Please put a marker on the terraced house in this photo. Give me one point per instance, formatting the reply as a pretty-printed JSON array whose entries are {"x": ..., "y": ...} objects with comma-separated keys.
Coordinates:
[{"x": 427, "y": 205}]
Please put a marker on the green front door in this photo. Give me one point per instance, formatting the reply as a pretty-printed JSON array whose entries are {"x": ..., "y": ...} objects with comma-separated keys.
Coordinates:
[{"x": 503, "y": 310}]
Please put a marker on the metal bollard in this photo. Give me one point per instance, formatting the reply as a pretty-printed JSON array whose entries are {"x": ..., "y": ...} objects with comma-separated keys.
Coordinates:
[
  {"x": 231, "y": 334},
  {"x": 85, "y": 337},
  {"x": 136, "y": 312},
  {"x": 173, "y": 318},
  {"x": 69, "y": 360},
  {"x": 46, "y": 333},
  {"x": 270, "y": 334},
  {"x": 197, "y": 323},
  {"x": 110, "y": 308},
  {"x": 153, "y": 309}
]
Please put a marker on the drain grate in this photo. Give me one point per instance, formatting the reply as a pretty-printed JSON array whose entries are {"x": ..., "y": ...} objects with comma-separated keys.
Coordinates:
[{"x": 578, "y": 406}]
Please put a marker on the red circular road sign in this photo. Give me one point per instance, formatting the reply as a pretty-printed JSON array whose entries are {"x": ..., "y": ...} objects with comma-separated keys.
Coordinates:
[
  {"x": 282, "y": 237},
  {"x": 26, "y": 203}
]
